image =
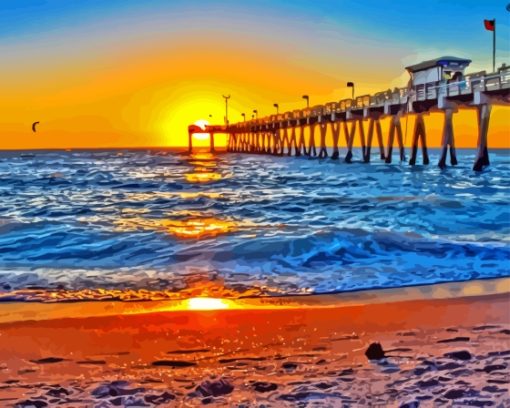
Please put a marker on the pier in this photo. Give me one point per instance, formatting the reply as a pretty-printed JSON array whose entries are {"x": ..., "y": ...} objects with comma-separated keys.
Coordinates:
[{"x": 438, "y": 84}]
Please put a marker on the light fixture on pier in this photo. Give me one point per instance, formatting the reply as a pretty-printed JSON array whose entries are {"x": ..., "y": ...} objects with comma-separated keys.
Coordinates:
[
  {"x": 351, "y": 85},
  {"x": 307, "y": 98},
  {"x": 277, "y": 107},
  {"x": 227, "y": 97},
  {"x": 244, "y": 116},
  {"x": 256, "y": 112}
]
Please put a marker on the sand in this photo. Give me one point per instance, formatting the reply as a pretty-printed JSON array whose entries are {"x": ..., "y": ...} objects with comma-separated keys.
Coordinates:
[{"x": 453, "y": 350}]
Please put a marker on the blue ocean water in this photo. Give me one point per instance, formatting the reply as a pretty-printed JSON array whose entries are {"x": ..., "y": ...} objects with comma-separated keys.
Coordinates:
[{"x": 93, "y": 224}]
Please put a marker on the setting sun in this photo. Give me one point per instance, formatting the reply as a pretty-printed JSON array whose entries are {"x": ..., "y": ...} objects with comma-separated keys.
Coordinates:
[{"x": 201, "y": 123}]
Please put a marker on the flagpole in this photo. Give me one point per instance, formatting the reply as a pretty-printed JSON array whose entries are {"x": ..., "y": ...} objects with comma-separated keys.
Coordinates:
[{"x": 494, "y": 47}]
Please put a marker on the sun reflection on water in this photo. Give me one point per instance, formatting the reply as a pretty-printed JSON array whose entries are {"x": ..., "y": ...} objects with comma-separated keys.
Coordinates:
[
  {"x": 202, "y": 177},
  {"x": 196, "y": 228}
]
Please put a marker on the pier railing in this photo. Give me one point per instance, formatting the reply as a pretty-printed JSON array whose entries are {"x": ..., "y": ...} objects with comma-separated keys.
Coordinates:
[{"x": 285, "y": 133}]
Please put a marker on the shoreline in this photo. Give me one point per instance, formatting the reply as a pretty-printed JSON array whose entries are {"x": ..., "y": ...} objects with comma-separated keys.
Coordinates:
[{"x": 36, "y": 311}]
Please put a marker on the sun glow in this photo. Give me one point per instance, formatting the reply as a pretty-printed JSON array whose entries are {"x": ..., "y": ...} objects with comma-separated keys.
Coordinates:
[{"x": 201, "y": 123}]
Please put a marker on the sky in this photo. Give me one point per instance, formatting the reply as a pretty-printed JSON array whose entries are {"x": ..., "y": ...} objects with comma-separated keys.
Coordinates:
[{"x": 123, "y": 73}]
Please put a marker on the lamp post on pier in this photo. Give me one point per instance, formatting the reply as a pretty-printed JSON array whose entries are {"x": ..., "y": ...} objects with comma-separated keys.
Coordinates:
[
  {"x": 227, "y": 97},
  {"x": 277, "y": 107},
  {"x": 351, "y": 85},
  {"x": 307, "y": 99},
  {"x": 256, "y": 112},
  {"x": 244, "y": 116}
]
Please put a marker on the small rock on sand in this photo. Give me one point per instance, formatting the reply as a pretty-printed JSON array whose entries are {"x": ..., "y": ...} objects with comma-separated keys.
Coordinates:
[
  {"x": 375, "y": 352},
  {"x": 262, "y": 386},
  {"x": 215, "y": 388},
  {"x": 459, "y": 355}
]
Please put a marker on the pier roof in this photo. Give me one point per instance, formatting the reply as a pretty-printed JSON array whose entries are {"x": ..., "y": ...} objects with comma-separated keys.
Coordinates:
[{"x": 441, "y": 61}]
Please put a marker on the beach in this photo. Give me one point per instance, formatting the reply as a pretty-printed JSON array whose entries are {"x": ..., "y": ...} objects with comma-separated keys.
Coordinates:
[
  {"x": 444, "y": 344},
  {"x": 142, "y": 278}
]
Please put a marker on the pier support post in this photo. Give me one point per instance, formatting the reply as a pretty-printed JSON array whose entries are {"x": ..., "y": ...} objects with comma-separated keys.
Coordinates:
[
  {"x": 190, "y": 142},
  {"x": 350, "y": 140},
  {"x": 380, "y": 139},
  {"x": 335, "y": 127},
  {"x": 323, "y": 152},
  {"x": 374, "y": 126},
  {"x": 211, "y": 142},
  {"x": 482, "y": 154},
  {"x": 285, "y": 140},
  {"x": 395, "y": 127},
  {"x": 301, "y": 144},
  {"x": 448, "y": 139},
  {"x": 275, "y": 137},
  {"x": 312, "y": 151},
  {"x": 419, "y": 134},
  {"x": 368, "y": 149},
  {"x": 293, "y": 142}
]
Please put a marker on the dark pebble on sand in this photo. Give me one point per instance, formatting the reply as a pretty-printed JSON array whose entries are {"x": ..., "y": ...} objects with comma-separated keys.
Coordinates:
[
  {"x": 486, "y": 327},
  {"x": 57, "y": 392},
  {"x": 428, "y": 383},
  {"x": 449, "y": 366},
  {"x": 454, "y": 340},
  {"x": 454, "y": 394},
  {"x": 494, "y": 389},
  {"x": 47, "y": 360},
  {"x": 173, "y": 363},
  {"x": 31, "y": 403},
  {"x": 497, "y": 381},
  {"x": 324, "y": 385},
  {"x": 346, "y": 371},
  {"x": 114, "y": 389},
  {"x": 499, "y": 353},
  {"x": 477, "y": 403},
  {"x": 459, "y": 355},
  {"x": 262, "y": 386},
  {"x": 505, "y": 331},
  {"x": 375, "y": 352},
  {"x": 208, "y": 400},
  {"x": 289, "y": 366},
  {"x": 159, "y": 399},
  {"x": 410, "y": 404},
  {"x": 494, "y": 367},
  {"x": 215, "y": 388},
  {"x": 239, "y": 359},
  {"x": 298, "y": 396}
]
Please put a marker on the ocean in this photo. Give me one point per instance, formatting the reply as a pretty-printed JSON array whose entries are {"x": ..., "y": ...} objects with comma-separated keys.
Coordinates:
[{"x": 156, "y": 224}]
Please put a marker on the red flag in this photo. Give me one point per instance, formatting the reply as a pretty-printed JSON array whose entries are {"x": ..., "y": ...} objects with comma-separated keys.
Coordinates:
[{"x": 490, "y": 25}]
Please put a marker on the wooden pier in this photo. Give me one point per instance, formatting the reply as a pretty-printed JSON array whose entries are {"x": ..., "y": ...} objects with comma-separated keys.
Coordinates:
[{"x": 303, "y": 132}]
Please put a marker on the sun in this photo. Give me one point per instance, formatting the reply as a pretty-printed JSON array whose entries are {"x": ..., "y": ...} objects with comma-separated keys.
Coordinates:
[{"x": 201, "y": 123}]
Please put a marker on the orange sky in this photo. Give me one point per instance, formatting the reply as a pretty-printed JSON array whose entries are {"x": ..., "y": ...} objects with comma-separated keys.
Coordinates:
[{"x": 131, "y": 80}]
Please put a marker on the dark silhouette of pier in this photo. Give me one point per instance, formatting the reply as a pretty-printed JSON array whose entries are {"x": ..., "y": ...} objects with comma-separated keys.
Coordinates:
[{"x": 438, "y": 84}]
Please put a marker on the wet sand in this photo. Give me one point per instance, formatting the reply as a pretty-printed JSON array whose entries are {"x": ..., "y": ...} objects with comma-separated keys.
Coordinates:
[{"x": 439, "y": 352}]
